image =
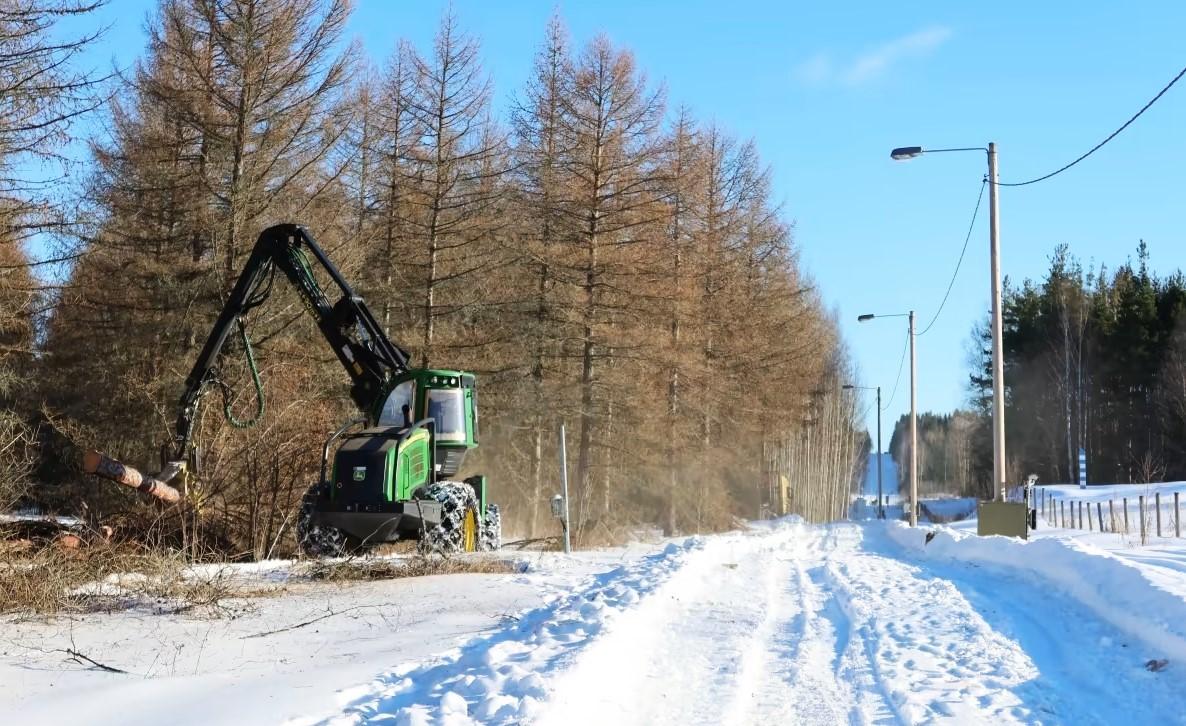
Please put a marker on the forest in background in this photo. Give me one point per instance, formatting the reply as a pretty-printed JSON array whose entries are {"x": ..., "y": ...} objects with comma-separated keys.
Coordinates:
[
  {"x": 1094, "y": 359},
  {"x": 598, "y": 257}
]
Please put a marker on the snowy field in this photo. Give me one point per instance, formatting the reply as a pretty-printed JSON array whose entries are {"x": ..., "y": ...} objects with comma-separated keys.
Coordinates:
[
  {"x": 851, "y": 623},
  {"x": 1131, "y": 510}
]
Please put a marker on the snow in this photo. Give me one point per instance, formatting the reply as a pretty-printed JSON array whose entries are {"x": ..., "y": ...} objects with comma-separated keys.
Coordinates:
[
  {"x": 1117, "y": 591},
  {"x": 191, "y": 668},
  {"x": 1104, "y": 492},
  {"x": 781, "y": 622},
  {"x": 498, "y": 678}
]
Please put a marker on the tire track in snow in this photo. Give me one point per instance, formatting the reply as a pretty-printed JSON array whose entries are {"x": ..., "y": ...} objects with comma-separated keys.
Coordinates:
[
  {"x": 680, "y": 656},
  {"x": 853, "y": 666},
  {"x": 813, "y": 671},
  {"x": 784, "y": 623},
  {"x": 499, "y": 677},
  {"x": 761, "y": 640},
  {"x": 932, "y": 654},
  {"x": 797, "y": 672}
]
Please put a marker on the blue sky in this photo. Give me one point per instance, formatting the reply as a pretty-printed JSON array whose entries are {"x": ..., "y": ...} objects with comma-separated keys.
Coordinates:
[{"x": 827, "y": 89}]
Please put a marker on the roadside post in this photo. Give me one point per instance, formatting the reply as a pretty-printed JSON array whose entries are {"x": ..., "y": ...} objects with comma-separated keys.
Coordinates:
[{"x": 560, "y": 501}]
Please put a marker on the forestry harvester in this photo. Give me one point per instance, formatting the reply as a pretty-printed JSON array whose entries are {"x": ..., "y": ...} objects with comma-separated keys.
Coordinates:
[{"x": 392, "y": 479}]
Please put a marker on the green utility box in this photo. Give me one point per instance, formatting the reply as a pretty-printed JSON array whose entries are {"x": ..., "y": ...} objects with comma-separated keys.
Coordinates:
[{"x": 1008, "y": 518}]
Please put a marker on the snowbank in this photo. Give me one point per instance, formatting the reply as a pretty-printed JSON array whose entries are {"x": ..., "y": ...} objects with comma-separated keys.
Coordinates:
[{"x": 1117, "y": 591}]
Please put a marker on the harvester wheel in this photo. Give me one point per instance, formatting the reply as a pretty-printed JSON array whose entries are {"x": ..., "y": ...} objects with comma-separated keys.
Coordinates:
[
  {"x": 459, "y": 507},
  {"x": 492, "y": 529},
  {"x": 318, "y": 540}
]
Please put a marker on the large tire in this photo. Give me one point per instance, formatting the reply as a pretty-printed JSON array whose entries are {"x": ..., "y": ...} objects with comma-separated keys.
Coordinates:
[
  {"x": 459, "y": 504},
  {"x": 492, "y": 529},
  {"x": 318, "y": 540}
]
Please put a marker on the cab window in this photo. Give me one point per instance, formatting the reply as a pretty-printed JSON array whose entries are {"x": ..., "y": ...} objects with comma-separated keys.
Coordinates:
[
  {"x": 393, "y": 409},
  {"x": 447, "y": 407}
]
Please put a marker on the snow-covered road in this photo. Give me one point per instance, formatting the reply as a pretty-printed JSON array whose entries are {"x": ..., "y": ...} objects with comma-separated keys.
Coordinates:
[
  {"x": 789, "y": 623},
  {"x": 849, "y": 623}
]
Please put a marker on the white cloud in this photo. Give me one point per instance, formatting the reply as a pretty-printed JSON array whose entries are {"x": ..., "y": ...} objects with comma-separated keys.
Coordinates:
[
  {"x": 875, "y": 62},
  {"x": 816, "y": 70}
]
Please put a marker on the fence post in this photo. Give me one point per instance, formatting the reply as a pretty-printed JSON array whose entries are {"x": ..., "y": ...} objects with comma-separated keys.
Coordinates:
[
  {"x": 1099, "y": 515},
  {"x": 1124, "y": 501},
  {"x": 1157, "y": 503},
  {"x": 1062, "y": 508},
  {"x": 1177, "y": 516},
  {"x": 1141, "y": 514},
  {"x": 1112, "y": 514},
  {"x": 1080, "y": 514},
  {"x": 1089, "y": 525}
]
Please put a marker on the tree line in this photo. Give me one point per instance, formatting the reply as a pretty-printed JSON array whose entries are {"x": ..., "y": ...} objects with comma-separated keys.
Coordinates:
[
  {"x": 596, "y": 257},
  {"x": 1095, "y": 359}
]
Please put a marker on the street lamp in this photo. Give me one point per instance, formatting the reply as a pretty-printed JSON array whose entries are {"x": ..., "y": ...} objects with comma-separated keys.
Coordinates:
[
  {"x": 913, "y": 414},
  {"x": 880, "y": 498},
  {"x": 998, "y": 366}
]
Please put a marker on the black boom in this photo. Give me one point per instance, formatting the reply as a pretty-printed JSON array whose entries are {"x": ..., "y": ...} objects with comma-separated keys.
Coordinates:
[{"x": 370, "y": 359}]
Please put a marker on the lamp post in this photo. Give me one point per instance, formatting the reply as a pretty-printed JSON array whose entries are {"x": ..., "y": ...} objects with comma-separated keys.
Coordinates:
[
  {"x": 998, "y": 366},
  {"x": 913, "y": 413},
  {"x": 880, "y": 496}
]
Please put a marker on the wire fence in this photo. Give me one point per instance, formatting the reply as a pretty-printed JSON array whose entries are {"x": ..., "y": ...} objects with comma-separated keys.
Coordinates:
[{"x": 1147, "y": 515}]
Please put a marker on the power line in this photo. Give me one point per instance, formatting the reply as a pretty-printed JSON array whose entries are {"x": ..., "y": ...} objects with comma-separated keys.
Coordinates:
[
  {"x": 1100, "y": 145},
  {"x": 960, "y": 261},
  {"x": 898, "y": 377}
]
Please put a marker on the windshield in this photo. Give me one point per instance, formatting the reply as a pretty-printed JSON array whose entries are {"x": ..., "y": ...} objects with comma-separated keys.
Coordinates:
[
  {"x": 393, "y": 408},
  {"x": 446, "y": 407}
]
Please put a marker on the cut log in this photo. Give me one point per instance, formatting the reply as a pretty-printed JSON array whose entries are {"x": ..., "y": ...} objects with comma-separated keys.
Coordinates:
[
  {"x": 104, "y": 466},
  {"x": 69, "y": 542}
]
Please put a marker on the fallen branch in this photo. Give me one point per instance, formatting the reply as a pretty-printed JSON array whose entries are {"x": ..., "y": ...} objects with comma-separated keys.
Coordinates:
[
  {"x": 317, "y": 619},
  {"x": 523, "y": 543},
  {"x": 79, "y": 658}
]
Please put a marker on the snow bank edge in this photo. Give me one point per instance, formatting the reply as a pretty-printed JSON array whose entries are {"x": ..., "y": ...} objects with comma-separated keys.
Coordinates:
[{"x": 1117, "y": 592}]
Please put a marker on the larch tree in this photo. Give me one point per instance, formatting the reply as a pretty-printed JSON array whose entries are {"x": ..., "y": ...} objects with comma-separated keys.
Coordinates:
[
  {"x": 397, "y": 138},
  {"x": 682, "y": 179},
  {"x": 44, "y": 90},
  {"x": 541, "y": 146},
  {"x": 456, "y": 185},
  {"x": 612, "y": 120},
  {"x": 227, "y": 126}
]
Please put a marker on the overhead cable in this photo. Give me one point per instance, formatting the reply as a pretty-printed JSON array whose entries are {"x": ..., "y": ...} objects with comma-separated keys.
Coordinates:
[{"x": 1100, "y": 145}]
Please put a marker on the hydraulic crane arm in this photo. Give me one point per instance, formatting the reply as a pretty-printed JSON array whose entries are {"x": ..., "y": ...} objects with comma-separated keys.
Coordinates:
[{"x": 370, "y": 359}]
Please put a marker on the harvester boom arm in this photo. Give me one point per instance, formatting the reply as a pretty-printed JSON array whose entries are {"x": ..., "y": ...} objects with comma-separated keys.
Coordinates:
[{"x": 370, "y": 359}]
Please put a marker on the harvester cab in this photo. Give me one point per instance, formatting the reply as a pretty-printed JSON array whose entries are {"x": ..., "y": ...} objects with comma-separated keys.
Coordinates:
[
  {"x": 395, "y": 479},
  {"x": 449, "y": 398}
]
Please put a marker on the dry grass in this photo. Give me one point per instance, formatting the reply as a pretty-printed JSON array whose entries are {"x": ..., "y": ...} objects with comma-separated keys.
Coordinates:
[
  {"x": 96, "y": 578},
  {"x": 106, "y": 579},
  {"x": 365, "y": 570}
]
